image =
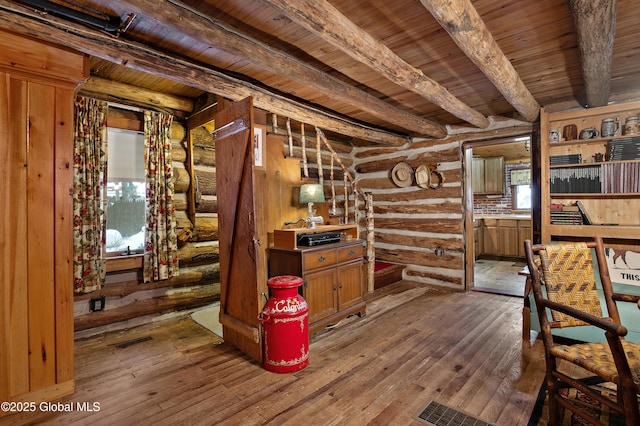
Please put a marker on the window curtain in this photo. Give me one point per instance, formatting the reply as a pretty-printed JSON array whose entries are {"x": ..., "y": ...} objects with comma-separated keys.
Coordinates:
[
  {"x": 89, "y": 198},
  {"x": 161, "y": 243}
]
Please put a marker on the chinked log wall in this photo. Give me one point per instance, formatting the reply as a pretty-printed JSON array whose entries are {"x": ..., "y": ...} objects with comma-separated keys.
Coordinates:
[
  {"x": 198, "y": 284},
  {"x": 412, "y": 222},
  {"x": 129, "y": 302}
]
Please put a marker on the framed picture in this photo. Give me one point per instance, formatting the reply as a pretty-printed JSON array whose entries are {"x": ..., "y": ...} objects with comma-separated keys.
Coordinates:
[
  {"x": 258, "y": 148},
  {"x": 624, "y": 266}
]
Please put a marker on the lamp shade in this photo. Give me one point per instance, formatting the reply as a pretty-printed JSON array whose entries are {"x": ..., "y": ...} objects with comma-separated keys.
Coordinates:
[{"x": 311, "y": 193}]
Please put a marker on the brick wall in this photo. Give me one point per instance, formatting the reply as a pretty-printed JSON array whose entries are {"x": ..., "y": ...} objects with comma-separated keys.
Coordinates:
[{"x": 498, "y": 204}]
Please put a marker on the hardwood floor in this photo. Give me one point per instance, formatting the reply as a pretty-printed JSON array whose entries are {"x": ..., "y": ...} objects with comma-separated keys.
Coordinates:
[
  {"x": 499, "y": 276},
  {"x": 415, "y": 344}
]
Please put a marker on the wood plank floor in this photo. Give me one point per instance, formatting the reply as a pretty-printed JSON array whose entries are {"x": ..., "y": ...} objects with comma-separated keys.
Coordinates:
[
  {"x": 415, "y": 344},
  {"x": 499, "y": 276}
]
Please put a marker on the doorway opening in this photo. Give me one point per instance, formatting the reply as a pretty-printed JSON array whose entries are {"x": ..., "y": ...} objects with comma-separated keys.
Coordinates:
[{"x": 498, "y": 213}]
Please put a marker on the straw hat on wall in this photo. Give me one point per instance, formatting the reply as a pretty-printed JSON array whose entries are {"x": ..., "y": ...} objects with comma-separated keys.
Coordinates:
[{"x": 402, "y": 175}]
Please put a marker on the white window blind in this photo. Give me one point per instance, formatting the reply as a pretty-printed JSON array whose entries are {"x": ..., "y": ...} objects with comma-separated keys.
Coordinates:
[{"x": 126, "y": 155}]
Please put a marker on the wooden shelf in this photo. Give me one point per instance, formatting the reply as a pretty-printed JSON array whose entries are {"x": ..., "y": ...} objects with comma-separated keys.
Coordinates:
[
  {"x": 595, "y": 195},
  {"x": 615, "y": 208},
  {"x": 575, "y": 142},
  {"x": 288, "y": 238},
  {"x": 621, "y": 231},
  {"x": 561, "y": 166}
]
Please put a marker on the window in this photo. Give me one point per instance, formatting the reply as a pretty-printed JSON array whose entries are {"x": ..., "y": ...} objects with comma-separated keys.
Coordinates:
[
  {"x": 521, "y": 197},
  {"x": 125, "y": 191}
]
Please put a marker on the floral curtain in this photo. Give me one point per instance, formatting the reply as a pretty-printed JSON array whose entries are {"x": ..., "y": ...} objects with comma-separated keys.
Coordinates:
[
  {"x": 89, "y": 200},
  {"x": 161, "y": 243}
]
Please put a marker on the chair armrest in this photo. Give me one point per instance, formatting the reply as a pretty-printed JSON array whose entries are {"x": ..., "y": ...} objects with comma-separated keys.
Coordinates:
[
  {"x": 602, "y": 323},
  {"x": 624, "y": 297}
]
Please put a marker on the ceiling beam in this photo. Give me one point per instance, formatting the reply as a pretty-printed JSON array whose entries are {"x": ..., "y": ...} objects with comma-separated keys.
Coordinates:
[
  {"x": 595, "y": 22},
  {"x": 465, "y": 26},
  {"x": 178, "y": 17},
  {"x": 139, "y": 95},
  {"x": 24, "y": 20},
  {"x": 328, "y": 23}
]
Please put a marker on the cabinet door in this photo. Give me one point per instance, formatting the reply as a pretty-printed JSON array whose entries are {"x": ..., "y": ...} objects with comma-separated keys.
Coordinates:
[
  {"x": 490, "y": 242},
  {"x": 350, "y": 288},
  {"x": 508, "y": 241},
  {"x": 524, "y": 233},
  {"x": 477, "y": 241},
  {"x": 477, "y": 176},
  {"x": 320, "y": 294},
  {"x": 494, "y": 175}
]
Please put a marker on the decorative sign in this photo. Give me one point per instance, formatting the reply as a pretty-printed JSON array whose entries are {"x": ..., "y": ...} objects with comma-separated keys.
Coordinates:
[
  {"x": 624, "y": 266},
  {"x": 521, "y": 177},
  {"x": 258, "y": 147}
]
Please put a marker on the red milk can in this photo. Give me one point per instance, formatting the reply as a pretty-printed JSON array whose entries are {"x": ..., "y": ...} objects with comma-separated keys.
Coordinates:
[{"x": 286, "y": 326}]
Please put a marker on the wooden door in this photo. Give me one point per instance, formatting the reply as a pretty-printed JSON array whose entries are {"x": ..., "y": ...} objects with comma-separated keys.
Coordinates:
[{"x": 242, "y": 273}]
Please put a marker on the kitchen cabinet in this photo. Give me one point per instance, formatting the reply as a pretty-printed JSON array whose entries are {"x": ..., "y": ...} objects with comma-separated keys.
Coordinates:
[
  {"x": 477, "y": 238},
  {"x": 333, "y": 278},
  {"x": 487, "y": 175},
  {"x": 613, "y": 203},
  {"x": 524, "y": 233},
  {"x": 504, "y": 237},
  {"x": 36, "y": 260},
  {"x": 508, "y": 237}
]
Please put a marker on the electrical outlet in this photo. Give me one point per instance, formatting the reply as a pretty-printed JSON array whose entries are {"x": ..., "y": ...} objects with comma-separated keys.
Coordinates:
[{"x": 96, "y": 304}]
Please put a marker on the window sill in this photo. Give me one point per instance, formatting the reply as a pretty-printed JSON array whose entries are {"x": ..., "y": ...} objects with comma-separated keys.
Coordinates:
[{"x": 124, "y": 263}]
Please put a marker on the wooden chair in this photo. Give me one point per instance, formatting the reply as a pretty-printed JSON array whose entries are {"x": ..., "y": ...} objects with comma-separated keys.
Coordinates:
[{"x": 570, "y": 299}]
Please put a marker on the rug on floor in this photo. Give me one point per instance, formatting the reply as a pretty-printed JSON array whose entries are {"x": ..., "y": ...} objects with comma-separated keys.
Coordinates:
[
  {"x": 540, "y": 414},
  {"x": 208, "y": 318}
]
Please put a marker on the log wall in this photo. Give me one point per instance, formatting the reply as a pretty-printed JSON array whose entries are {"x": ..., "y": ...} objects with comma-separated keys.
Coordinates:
[
  {"x": 198, "y": 284},
  {"x": 128, "y": 300},
  {"x": 417, "y": 227}
]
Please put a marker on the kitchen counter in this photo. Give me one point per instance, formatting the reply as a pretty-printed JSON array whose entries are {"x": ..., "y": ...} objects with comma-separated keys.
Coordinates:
[{"x": 502, "y": 216}]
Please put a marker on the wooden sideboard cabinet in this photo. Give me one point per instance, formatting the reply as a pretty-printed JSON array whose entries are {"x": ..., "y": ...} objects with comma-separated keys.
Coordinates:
[{"x": 333, "y": 276}]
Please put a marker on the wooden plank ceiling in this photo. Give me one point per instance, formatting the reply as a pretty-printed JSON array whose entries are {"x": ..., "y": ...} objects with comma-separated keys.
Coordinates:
[{"x": 395, "y": 69}]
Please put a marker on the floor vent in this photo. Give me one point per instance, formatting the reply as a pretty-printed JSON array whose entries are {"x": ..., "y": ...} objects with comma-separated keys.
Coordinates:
[
  {"x": 133, "y": 342},
  {"x": 436, "y": 414}
]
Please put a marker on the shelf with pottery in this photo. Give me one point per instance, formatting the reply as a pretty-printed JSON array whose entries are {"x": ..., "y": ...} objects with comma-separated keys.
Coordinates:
[{"x": 613, "y": 209}]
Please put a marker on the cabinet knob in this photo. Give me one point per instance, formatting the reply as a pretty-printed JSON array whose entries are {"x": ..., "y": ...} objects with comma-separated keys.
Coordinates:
[
  {"x": 352, "y": 252},
  {"x": 321, "y": 259}
]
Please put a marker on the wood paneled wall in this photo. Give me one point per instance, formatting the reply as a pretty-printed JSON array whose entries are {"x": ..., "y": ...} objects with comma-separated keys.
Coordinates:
[{"x": 36, "y": 274}]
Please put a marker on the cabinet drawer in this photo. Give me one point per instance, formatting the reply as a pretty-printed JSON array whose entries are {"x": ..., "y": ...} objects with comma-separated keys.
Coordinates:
[
  {"x": 319, "y": 259},
  {"x": 490, "y": 222},
  {"x": 346, "y": 254},
  {"x": 507, "y": 223}
]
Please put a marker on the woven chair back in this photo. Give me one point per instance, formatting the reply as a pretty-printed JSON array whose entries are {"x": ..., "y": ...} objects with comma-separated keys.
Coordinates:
[{"x": 569, "y": 279}]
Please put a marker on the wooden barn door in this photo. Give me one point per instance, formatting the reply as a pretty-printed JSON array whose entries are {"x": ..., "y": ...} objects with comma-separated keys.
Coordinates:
[{"x": 241, "y": 269}]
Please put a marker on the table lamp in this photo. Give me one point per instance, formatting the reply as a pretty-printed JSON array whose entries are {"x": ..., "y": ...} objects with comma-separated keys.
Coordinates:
[{"x": 312, "y": 193}]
